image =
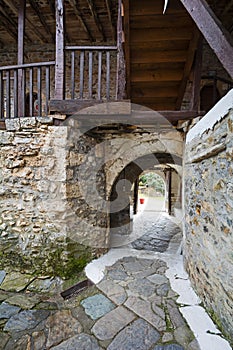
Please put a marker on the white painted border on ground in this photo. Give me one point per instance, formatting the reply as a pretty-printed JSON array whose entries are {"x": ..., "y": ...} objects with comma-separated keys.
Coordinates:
[{"x": 195, "y": 315}]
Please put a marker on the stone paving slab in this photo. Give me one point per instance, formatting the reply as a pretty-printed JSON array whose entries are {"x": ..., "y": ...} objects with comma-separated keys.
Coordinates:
[
  {"x": 169, "y": 347},
  {"x": 78, "y": 342},
  {"x": 97, "y": 306},
  {"x": 114, "y": 291},
  {"x": 140, "y": 335},
  {"x": 142, "y": 286},
  {"x": 143, "y": 309},
  {"x": 61, "y": 325},
  {"x": 25, "y": 320},
  {"x": 110, "y": 324},
  {"x": 7, "y": 310}
]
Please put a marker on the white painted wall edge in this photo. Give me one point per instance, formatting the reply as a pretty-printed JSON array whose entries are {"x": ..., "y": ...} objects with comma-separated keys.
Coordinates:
[{"x": 212, "y": 117}]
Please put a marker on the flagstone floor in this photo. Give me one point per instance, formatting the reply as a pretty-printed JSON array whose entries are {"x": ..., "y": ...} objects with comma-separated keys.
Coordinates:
[{"x": 141, "y": 300}]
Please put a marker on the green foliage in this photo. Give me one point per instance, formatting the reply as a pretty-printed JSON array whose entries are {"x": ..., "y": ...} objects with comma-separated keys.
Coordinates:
[{"x": 152, "y": 180}]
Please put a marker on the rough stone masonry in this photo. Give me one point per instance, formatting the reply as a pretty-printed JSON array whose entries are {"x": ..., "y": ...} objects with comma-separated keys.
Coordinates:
[{"x": 209, "y": 219}]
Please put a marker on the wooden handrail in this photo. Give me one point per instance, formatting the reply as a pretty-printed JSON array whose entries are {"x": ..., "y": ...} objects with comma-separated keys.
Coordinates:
[
  {"x": 96, "y": 48},
  {"x": 27, "y": 65}
]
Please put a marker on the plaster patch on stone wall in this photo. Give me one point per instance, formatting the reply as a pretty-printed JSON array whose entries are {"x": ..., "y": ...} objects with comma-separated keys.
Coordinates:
[{"x": 215, "y": 115}]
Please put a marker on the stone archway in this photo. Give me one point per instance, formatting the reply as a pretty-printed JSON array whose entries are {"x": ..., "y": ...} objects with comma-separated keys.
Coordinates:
[{"x": 122, "y": 187}]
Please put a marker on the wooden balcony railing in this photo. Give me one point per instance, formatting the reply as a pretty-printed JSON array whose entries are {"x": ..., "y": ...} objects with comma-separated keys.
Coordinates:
[
  {"x": 25, "y": 89},
  {"x": 91, "y": 72}
]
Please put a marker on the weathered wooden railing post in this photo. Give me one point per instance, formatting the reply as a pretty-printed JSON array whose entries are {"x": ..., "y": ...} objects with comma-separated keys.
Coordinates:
[
  {"x": 59, "y": 66},
  {"x": 120, "y": 78},
  {"x": 21, "y": 80}
]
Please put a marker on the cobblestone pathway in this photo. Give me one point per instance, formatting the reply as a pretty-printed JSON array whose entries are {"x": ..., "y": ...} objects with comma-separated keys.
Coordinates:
[{"x": 131, "y": 307}]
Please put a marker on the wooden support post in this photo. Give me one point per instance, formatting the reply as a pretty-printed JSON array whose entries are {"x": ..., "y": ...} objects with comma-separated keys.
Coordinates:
[
  {"x": 197, "y": 77},
  {"x": 135, "y": 197},
  {"x": 120, "y": 79},
  {"x": 213, "y": 31},
  {"x": 169, "y": 191},
  {"x": 21, "y": 30},
  {"x": 59, "y": 66},
  {"x": 127, "y": 46}
]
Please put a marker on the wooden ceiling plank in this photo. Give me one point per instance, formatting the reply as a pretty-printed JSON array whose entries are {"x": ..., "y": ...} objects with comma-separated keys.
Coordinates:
[
  {"x": 188, "y": 66},
  {"x": 149, "y": 7},
  {"x": 96, "y": 18},
  {"x": 39, "y": 14},
  {"x": 160, "y": 34},
  {"x": 213, "y": 31},
  {"x": 159, "y": 91},
  {"x": 29, "y": 24},
  {"x": 107, "y": 3},
  {"x": 158, "y": 56},
  {"x": 156, "y": 75},
  {"x": 161, "y": 45},
  {"x": 158, "y": 21},
  {"x": 78, "y": 14}
]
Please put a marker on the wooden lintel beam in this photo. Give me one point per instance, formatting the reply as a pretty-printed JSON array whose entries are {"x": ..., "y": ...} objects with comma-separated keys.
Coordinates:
[
  {"x": 213, "y": 31},
  {"x": 38, "y": 12},
  {"x": 96, "y": 18},
  {"x": 29, "y": 24},
  {"x": 70, "y": 107},
  {"x": 188, "y": 66},
  {"x": 80, "y": 18},
  {"x": 107, "y": 3}
]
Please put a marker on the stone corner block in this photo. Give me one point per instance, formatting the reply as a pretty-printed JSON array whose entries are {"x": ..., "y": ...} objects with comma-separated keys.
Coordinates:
[{"x": 12, "y": 124}]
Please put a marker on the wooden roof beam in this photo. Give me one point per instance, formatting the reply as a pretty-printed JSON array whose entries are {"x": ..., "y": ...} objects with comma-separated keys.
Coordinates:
[
  {"x": 80, "y": 18},
  {"x": 38, "y": 12},
  {"x": 107, "y": 3},
  {"x": 213, "y": 31},
  {"x": 9, "y": 25},
  {"x": 96, "y": 18},
  {"x": 29, "y": 24},
  {"x": 188, "y": 66}
]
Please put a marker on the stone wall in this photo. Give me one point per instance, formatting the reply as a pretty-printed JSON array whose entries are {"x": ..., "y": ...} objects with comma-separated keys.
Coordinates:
[
  {"x": 209, "y": 210},
  {"x": 38, "y": 166}
]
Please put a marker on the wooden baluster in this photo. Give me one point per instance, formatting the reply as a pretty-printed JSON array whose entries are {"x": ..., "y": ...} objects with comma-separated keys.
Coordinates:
[
  {"x": 39, "y": 91},
  {"x": 47, "y": 88},
  {"x": 1, "y": 97},
  {"x": 90, "y": 72},
  {"x": 8, "y": 94},
  {"x": 23, "y": 80},
  {"x": 108, "y": 75},
  {"x": 81, "y": 74},
  {"x": 31, "y": 104},
  {"x": 99, "y": 74},
  {"x": 72, "y": 74},
  {"x": 15, "y": 93}
]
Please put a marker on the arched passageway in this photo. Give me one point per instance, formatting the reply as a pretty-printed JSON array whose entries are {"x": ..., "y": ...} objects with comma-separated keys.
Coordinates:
[{"x": 124, "y": 195}]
